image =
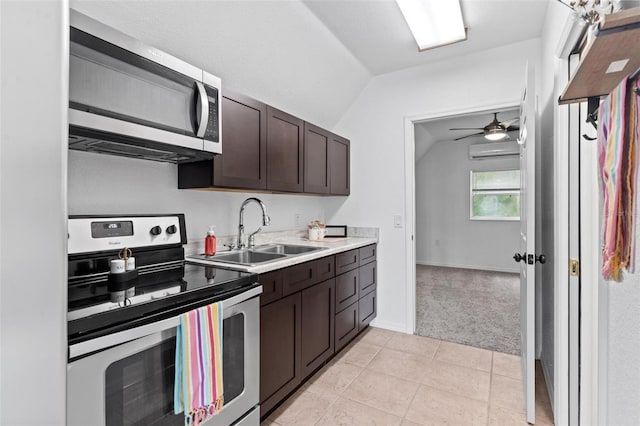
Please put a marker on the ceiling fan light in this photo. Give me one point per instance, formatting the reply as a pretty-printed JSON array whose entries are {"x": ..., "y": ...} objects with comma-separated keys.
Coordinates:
[
  {"x": 433, "y": 23},
  {"x": 495, "y": 135}
]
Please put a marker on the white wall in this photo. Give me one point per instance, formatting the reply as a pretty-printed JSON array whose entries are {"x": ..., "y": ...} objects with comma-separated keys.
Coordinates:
[
  {"x": 104, "y": 184},
  {"x": 551, "y": 68},
  {"x": 33, "y": 295},
  {"x": 375, "y": 123},
  {"x": 275, "y": 51},
  {"x": 445, "y": 236},
  {"x": 622, "y": 366}
]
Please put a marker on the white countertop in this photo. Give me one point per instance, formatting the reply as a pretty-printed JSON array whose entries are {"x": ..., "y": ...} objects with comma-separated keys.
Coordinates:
[{"x": 330, "y": 247}]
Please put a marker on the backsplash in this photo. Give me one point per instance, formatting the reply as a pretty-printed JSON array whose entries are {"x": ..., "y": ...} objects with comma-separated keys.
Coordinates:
[{"x": 104, "y": 184}]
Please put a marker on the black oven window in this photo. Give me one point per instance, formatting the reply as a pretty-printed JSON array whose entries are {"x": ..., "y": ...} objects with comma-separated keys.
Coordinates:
[
  {"x": 139, "y": 388},
  {"x": 233, "y": 356}
]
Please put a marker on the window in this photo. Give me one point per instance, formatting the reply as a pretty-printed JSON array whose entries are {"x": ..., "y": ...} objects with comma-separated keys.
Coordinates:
[{"x": 495, "y": 195}]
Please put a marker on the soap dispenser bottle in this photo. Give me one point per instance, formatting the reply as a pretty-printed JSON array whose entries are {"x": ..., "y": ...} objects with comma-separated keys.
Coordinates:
[{"x": 210, "y": 242}]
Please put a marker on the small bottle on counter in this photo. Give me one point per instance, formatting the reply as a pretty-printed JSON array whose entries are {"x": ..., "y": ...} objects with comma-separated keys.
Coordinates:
[{"x": 210, "y": 242}]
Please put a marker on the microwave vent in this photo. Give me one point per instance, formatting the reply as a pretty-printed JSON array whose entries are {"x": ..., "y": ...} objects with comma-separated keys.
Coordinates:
[{"x": 85, "y": 140}]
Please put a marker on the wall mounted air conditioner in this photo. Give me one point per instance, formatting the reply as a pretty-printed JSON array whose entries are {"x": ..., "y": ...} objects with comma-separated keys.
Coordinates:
[{"x": 493, "y": 149}]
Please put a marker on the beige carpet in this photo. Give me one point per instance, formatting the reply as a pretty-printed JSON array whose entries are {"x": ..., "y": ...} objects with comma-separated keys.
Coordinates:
[{"x": 476, "y": 308}]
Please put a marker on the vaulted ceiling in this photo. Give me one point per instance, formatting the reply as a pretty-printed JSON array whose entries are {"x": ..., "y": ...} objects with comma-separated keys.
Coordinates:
[
  {"x": 377, "y": 35},
  {"x": 309, "y": 57}
]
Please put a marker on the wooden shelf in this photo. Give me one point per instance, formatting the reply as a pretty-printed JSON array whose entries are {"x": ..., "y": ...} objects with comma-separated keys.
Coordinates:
[{"x": 618, "y": 38}]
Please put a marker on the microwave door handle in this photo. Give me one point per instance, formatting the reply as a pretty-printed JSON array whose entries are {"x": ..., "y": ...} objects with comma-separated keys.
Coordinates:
[{"x": 202, "y": 105}]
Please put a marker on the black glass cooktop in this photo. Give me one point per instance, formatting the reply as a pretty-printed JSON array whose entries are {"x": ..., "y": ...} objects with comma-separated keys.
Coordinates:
[{"x": 161, "y": 291}]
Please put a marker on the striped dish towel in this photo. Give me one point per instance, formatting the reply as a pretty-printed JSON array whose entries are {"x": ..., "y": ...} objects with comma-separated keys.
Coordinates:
[
  {"x": 618, "y": 163},
  {"x": 198, "y": 390}
]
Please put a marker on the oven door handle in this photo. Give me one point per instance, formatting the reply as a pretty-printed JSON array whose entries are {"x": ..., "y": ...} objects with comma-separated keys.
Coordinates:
[{"x": 124, "y": 336}]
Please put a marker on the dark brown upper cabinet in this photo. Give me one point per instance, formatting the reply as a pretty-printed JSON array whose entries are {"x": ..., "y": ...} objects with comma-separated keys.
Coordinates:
[
  {"x": 316, "y": 159},
  {"x": 243, "y": 163},
  {"x": 339, "y": 163},
  {"x": 265, "y": 149},
  {"x": 285, "y": 136}
]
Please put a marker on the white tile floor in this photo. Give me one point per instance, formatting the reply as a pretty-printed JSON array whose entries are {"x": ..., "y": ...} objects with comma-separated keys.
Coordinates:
[{"x": 388, "y": 378}]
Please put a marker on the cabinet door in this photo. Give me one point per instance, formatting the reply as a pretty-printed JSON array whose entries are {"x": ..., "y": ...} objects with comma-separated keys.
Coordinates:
[
  {"x": 339, "y": 165},
  {"x": 280, "y": 345},
  {"x": 316, "y": 156},
  {"x": 285, "y": 149},
  {"x": 347, "y": 325},
  {"x": 317, "y": 325},
  {"x": 367, "y": 309},
  {"x": 243, "y": 163}
]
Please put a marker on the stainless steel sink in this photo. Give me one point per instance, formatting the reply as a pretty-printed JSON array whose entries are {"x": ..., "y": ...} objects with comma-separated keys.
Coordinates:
[
  {"x": 286, "y": 249},
  {"x": 244, "y": 257},
  {"x": 258, "y": 255}
]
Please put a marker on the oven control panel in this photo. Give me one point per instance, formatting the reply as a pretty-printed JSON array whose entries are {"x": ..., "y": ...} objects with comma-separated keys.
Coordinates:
[{"x": 100, "y": 233}]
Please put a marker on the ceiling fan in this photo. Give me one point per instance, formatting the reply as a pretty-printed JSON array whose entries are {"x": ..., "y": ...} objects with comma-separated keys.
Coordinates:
[{"x": 494, "y": 131}]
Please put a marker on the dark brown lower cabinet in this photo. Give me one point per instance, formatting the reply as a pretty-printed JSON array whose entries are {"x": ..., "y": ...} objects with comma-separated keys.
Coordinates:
[
  {"x": 318, "y": 310},
  {"x": 308, "y": 313},
  {"x": 347, "y": 289},
  {"x": 280, "y": 345},
  {"x": 367, "y": 278},
  {"x": 347, "y": 325},
  {"x": 367, "y": 309}
]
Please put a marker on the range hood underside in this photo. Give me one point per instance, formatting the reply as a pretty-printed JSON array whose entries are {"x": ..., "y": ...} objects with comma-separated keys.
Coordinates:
[{"x": 83, "y": 139}]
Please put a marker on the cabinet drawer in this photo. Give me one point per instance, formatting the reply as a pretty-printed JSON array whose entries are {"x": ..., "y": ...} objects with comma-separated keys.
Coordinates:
[
  {"x": 367, "y": 309},
  {"x": 367, "y": 278},
  {"x": 367, "y": 254},
  {"x": 347, "y": 261},
  {"x": 271, "y": 283},
  {"x": 347, "y": 286},
  {"x": 325, "y": 268},
  {"x": 347, "y": 323},
  {"x": 299, "y": 277}
]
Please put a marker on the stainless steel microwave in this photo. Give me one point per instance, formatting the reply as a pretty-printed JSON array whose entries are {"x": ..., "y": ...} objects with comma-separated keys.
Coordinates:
[{"x": 130, "y": 99}]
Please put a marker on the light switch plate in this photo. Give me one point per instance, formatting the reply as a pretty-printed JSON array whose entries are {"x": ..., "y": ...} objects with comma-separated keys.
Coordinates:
[{"x": 397, "y": 220}]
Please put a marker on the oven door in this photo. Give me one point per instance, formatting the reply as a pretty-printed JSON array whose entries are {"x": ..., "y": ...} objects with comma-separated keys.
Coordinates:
[{"x": 132, "y": 383}]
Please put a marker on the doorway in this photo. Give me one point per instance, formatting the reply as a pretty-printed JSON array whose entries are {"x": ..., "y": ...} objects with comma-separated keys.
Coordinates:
[{"x": 467, "y": 229}]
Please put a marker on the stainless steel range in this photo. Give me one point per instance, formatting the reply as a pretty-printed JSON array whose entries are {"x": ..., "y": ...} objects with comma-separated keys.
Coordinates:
[{"x": 122, "y": 322}]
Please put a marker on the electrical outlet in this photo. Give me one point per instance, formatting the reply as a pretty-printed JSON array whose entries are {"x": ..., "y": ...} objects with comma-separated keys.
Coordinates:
[
  {"x": 298, "y": 219},
  {"x": 397, "y": 221}
]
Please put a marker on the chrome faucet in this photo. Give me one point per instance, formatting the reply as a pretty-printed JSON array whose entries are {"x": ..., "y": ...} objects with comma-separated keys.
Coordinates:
[{"x": 266, "y": 220}]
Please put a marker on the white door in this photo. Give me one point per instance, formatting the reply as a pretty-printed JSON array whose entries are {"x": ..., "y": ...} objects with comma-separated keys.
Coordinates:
[{"x": 527, "y": 139}]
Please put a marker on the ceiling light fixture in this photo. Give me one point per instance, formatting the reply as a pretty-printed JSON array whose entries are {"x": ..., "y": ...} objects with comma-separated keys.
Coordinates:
[
  {"x": 495, "y": 134},
  {"x": 434, "y": 23}
]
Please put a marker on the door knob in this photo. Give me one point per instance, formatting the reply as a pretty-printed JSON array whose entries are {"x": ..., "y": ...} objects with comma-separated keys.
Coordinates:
[
  {"x": 520, "y": 257},
  {"x": 541, "y": 258}
]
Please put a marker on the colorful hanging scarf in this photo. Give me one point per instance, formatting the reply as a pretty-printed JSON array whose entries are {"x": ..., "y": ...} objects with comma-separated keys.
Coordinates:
[
  {"x": 198, "y": 389},
  {"x": 617, "y": 159}
]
